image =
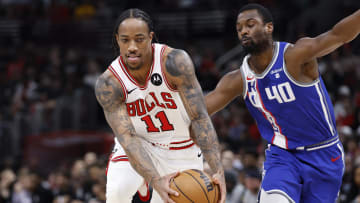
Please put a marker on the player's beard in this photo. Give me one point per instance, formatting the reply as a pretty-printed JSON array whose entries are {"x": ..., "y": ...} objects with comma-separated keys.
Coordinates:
[
  {"x": 133, "y": 67},
  {"x": 256, "y": 48},
  {"x": 137, "y": 67}
]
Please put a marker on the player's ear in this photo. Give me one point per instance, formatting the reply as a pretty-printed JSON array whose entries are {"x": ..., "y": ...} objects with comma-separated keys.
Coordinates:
[
  {"x": 269, "y": 27},
  {"x": 117, "y": 39},
  {"x": 151, "y": 35}
]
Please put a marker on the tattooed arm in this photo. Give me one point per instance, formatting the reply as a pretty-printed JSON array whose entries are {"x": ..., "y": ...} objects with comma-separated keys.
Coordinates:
[
  {"x": 110, "y": 95},
  {"x": 180, "y": 71}
]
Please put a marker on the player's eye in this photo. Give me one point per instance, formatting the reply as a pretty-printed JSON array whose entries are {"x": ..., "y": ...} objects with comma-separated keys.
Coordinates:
[
  {"x": 139, "y": 39},
  {"x": 250, "y": 25},
  {"x": 124, "y": 40}
]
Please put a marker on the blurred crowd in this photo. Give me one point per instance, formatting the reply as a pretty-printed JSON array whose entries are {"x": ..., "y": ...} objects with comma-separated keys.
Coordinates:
[
  {"x": 80, "y": 180},
  {"x": 47, "y": 86}
]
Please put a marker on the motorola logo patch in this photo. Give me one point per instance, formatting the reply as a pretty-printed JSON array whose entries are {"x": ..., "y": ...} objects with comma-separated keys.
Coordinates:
[{"x": 156, "y": 79}]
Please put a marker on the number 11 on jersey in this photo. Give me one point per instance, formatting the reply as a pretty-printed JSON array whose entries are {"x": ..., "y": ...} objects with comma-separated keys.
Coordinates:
[{"x": 165, "y": 124}]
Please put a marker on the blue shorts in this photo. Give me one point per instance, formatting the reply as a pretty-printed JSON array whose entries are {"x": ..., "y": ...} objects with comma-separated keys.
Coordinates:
[{"x": 304, "y": 176}]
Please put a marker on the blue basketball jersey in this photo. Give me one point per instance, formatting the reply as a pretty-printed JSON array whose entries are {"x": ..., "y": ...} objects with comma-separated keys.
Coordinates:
[{"x": 289, "y": 114}]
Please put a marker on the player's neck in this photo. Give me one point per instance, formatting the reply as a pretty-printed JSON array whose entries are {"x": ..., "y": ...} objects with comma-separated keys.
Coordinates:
[{"x": 259, "y": 62}]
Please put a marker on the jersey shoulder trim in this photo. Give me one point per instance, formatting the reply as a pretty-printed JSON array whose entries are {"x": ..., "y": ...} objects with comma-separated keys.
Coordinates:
[
  {"x": 244, "y": 82},
  {"x": 162, "y": 65},
  {"x": 131, "y": 78},
  {"x": 288, "y": 75},
  {"x": 123, "y": 88}
]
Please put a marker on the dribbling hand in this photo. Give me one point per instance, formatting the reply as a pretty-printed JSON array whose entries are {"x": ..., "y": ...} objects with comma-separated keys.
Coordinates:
[
  {"x": 219, "y": 179},
  {"x": 162, "y": 186}
]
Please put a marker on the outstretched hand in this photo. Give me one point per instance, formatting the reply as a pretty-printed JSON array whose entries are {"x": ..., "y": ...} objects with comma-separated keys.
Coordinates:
[
  {"x": 162, "y": 186},
  {"x": 219, "y": 179}
]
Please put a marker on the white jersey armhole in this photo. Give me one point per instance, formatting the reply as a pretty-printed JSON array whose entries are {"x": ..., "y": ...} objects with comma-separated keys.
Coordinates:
[{"x": 244, "y": 89}]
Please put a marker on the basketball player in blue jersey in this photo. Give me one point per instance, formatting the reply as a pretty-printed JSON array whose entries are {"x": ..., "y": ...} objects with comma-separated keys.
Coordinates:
[
  {"x": 151, "y": 98},
  {"x": 285, "y": 94}
]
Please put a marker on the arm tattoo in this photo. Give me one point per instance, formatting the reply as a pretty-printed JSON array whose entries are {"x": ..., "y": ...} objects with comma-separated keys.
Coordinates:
[
  {"x": 173, "y": 64},
  {"x": 108, "y": 93},
  {"x": 110, "y": 96},
  {"x": 179, "y": 65}
]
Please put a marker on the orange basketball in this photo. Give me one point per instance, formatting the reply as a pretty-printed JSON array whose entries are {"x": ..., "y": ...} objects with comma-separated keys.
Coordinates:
[{"x": 194, "y": 186}]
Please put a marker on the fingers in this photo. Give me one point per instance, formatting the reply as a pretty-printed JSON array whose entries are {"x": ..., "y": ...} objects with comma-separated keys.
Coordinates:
[
  {"x": 170, "y": 177},
  {"x": 166, "y": 198},
  {"x": 170, "y": 200},
  {"x": 219, "y": 181},
  {"x": 216, "y": 180},
  {"x": 173, "y": 175},
  {"x": 167, "y": 193},
  {"x": 164, "y": 190},
  {"x": 223, "y": 195},
  {"x": 172, "y": 192}
]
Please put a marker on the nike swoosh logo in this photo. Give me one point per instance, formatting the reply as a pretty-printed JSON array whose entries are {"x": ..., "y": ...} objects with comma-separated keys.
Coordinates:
[
  {"x": 334, "y": 159},
  {"x": 199, "y": 154},
  {"x": 247, "y": 78},
  {"x": 129, "y": 92}
]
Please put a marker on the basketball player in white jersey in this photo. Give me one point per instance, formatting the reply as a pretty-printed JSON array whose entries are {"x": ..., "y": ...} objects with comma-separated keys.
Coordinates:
[{"x": 151, "y": 98}]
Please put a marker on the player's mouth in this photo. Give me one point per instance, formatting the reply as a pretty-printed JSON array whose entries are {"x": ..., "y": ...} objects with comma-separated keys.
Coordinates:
[
  {"x": 245, "y": 40},
  {"x": 133, "y": 58}
]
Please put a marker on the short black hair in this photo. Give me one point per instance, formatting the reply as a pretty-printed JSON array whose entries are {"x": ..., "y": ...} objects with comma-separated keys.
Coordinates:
[
  {"x": 131, "y": 13},
  {"x": 264, "y": 12}
]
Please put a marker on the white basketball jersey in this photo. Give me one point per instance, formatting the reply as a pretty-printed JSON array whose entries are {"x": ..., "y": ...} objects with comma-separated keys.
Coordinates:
[{"x": 155, "y": 109}]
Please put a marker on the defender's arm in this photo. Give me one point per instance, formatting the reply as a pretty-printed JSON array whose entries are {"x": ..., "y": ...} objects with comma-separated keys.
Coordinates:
[
  {"x": 229, "y": 87},
  {"x": 307, "y": 49}
]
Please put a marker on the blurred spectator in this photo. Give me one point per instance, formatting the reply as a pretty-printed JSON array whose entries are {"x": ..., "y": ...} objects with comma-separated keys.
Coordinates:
[
  {"x": 352, "y": 193},
  {"x": 343, "y": 108},
  {"x": 7, "y": 180},
  {"x": 78, "y": 179},
  {"x": 227, "y": 159},
  {"x": 28, "y": 188},
  {"x": 59, "y": 12},
  {"x": 92, "y": 73},
  {"x": 236, "y": 130},
  {"x": 61, "y": 184},
  {"x": 90, "y": 158},
  {"x": 209, "y": 74},
  {"x": 243, "y": 193},
  {"x": 250, "y": 159},
  {"x": 252, "y": 185},
  {"x": 234, "y": 189},
  {"x": 103, "y": 11},
  {"x": 85, "y": 10}
]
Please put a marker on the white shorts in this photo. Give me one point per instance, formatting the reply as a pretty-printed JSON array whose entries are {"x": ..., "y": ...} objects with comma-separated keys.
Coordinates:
[{"x": 123, "y": 181}]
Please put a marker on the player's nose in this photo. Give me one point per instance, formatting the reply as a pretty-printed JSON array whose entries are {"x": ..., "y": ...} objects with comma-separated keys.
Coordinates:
[
  {"x": 132, "y": 47},
  {"x": 245, "y": 31}
]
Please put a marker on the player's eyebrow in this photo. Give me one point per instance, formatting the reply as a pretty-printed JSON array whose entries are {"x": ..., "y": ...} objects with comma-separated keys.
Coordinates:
[
  {"x": 137, "y": 35},
  {"x": 247, "y": 20}
]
